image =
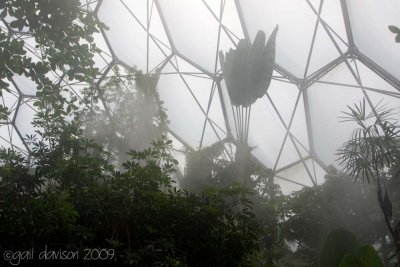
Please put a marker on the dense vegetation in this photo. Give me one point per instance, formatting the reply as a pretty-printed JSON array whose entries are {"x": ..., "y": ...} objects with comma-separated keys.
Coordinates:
[{"x": 73, "y": 199}]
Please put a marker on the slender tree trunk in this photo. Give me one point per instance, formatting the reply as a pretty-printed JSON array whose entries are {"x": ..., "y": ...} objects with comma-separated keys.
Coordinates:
[
  {"x": 243, "y": 158},
  {"x": 384, "y": 249}
]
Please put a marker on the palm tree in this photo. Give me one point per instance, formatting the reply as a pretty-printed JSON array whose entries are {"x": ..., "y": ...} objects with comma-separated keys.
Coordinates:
[{"x": 373, "y": 153}]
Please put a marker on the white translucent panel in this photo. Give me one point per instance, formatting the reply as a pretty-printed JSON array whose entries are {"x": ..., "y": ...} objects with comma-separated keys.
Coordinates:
[
  {"x": 88, "y": 5},
  {"x": 193, "y": 29},
  {"x": 229, "y": 151},
  {"x": 3, "y": 27},
  {"x": 317, "y": 172},
  {"x": 156, "y": 57},
  {"x": 9, "y": 138},
  {"x": 209, "y": 100},
  {"x": 219, "y": 129},
  {"x": 25, "y": 85},
  {"x": 332, "y": 15},
  {"x": 212, "y": 135},
  {"x": 324, "y": 51},
  {"x": 287, "y": 187},
  {"x": 215, "y": 6},
  {"x": 206, "y": 95},
  {"x": 315, "y": 4},
  {"x": 24, "y": 119},
  {"x": 283, "y": 96},
  {"x": 330, "y": 38},
  {"x": 159, "y": 47},
  {"x": 266, "y": 132},
  {"x": 103, "y": 58},
  {"x": 184, "y": 111},
  {"x": 387, "y": 102},
  {"x": 298, "y": 128},
  {"x": 226, "y": 12},
  {"x": 215, "y": 125},
  {"x": 331, "y": 35},
  {"x": 128, "y": 38},
  {"x": 340, "y": 75},
  {"x": 296, "y": 26},
  {"x": 156, "y": 29},
  {"x": 5, "y": 132},
  {"x": 327, "y": 102},
  {"x": 339, "y": 41},
  {"x": 297, "y": 173},
  {"x": 231, "y": 20},
  {"x": 200, "y": 88},
  {"x": 228, "y": 108},
  {"x": 371, "y": 81},
  {"x": 369, "y": 22},
  {"x": 381, "y": 93},
  {"x": 304, "y": 151},
  {"x": 10, "y": 19},
  {"x": 177, "y": 152},
  {"x": 289, "y": 154},
  {"x": 30, "y": 46},
  {"x": 139, "y": 8}
]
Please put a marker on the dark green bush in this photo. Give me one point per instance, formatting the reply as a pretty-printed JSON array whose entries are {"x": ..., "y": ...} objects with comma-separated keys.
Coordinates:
[{"x": 72, "y": 199}]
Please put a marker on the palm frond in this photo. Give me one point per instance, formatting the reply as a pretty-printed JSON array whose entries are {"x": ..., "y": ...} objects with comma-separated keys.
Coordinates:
[{"x": 371, "y": 146}]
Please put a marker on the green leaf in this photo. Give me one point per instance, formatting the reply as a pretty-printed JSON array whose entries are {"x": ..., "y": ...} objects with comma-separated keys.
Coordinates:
[
  {"x": 3, "y": 13},
  {"x": 14, "y": 24},
  {"x": 4, "y": 112},
  {"x": 262, "y": 76},
  {"x": 3, "y": 85},
  {"x": 368, "y": 255},
  {"x": 397, "y": 38},
  {"x": 338, "y": 243},
  {"x": 248, "y": 69},
  {"x": 351, "y": 261},
  {"x": 394, "y": 29},
  {"x": 19, "y": 24}
]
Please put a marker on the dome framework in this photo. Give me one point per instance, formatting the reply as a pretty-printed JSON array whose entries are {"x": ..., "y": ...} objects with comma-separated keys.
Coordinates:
[{"x": 330, "y": 54}]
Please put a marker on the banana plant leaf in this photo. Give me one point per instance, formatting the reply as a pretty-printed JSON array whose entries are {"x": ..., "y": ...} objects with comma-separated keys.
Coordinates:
[
  {"x": 338, "y": 243},
  {"x": 248, "y": 69},
  {"x": 263, "y": 63}
]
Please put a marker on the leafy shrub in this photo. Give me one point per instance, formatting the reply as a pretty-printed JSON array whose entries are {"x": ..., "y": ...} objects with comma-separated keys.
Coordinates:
[{"x": 71, "y": 198}]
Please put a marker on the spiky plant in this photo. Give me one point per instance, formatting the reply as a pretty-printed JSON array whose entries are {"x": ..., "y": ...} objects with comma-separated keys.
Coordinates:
[
  {"x": 371, "y": 153},
  {"x": 247, "y": 73}
]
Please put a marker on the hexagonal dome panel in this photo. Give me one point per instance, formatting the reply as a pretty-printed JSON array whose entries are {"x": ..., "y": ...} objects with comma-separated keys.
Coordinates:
[{"x": 329, "y": 54}]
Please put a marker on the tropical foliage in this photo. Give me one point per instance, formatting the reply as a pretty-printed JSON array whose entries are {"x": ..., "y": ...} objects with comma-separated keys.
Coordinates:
[
  {"x": 372, "y": 154},
  {"x": 337, "y": 203},
  {"x": 60, "y": 33},
  {"x": 68, "y": 194},
  {"x": 96, "y": 179},
  {"x": 247, "y": 73},
  {"x": 71, "y": 198},
  {"x": 342, "y": 249},
  {"x": 128, "y": 113}
]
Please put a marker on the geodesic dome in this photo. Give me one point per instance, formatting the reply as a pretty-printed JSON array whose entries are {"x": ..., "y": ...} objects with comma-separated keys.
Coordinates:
[{"x": 329, "y": 54}]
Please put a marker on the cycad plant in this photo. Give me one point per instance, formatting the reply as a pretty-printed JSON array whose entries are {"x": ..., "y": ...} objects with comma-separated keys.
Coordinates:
[
  {"x": 373, "y": 153},
  {"x": 247, "y": 73}
]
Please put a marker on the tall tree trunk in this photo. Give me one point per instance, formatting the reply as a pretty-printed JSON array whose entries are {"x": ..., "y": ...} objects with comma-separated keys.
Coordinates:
[
  {"x": 384, "y": 249},
  {"x": 243, "y": 159}
]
